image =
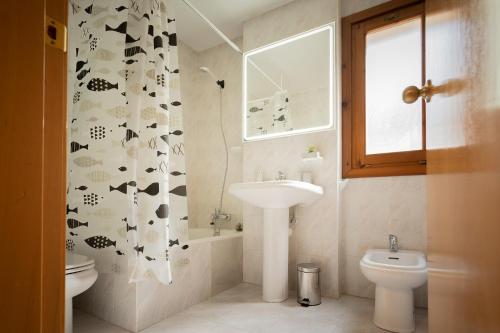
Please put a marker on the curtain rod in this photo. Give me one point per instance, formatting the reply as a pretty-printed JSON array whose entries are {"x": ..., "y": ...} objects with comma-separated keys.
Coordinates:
[
  {"x": 211, "y": 25},
  {"x": 264, "y": 74},
  {"x": 231, "y": 43}
]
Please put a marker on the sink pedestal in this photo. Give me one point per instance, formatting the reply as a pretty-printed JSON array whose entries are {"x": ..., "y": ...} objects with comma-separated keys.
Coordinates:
[
  {"x": 276, "y": 198},
  {"x": 275, "y": 261}
]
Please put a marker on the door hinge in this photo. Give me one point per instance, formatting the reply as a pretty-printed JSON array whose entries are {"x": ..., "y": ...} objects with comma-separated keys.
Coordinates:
[
  {"x": 55, "y": 33},
  {"x": 423, "y": 162}
]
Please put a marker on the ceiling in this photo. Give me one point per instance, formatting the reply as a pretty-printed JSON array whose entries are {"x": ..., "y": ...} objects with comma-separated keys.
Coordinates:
[{"x": 227, "y": 15}]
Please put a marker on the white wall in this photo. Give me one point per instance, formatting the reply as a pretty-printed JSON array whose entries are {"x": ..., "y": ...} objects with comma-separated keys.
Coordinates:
[
  {"x": 202, "y": 270},
  {"x": 205, "y": 156},
  {"x": 111, "y": 298},
  {"x": 373, "y": 208},
  {"x": 310, "y": 108},
  {"x": 348, "y": 7},
  {"x": 315, "y": 236}
]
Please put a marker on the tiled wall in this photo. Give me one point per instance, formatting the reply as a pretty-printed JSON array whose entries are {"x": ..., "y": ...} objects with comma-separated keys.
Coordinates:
[
  {"x": 349, "y": 7},
  {"x": 288, "y": 20},
  {"x": 190, "y": 268},
  {"x": 111, "y": 298},
  {"x": 312, "y": 100},
  {"x": 205, "y": 157},
  {"x": 373, "y": 208},
  {"x": 227, "y": 269},
  {"x": 315, "y": 236},
  {"x": 202, "y": 270}
]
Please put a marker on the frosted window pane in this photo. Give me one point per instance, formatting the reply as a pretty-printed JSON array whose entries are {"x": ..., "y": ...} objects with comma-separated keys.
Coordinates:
[{"x": 393, "y": 62}]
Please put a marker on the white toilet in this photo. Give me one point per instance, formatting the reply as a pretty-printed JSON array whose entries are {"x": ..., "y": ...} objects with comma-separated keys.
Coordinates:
[
  {"x": 395, "y": 274},
  {"x": 80, "y": 276}
]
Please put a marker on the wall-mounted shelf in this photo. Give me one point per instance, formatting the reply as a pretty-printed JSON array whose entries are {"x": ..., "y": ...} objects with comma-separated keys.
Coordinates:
[{"x": 312, "y": 157}]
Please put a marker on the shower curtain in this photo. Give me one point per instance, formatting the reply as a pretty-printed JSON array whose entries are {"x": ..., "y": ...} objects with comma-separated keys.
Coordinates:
[{"x": 126, "y": 180}]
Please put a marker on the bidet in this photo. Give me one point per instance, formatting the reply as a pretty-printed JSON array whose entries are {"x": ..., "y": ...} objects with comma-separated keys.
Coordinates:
[{"x": 395, "y": 276}]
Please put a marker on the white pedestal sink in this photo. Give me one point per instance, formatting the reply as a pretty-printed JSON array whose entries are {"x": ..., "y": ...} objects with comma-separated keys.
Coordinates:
[{"x": 276, "y": 197}]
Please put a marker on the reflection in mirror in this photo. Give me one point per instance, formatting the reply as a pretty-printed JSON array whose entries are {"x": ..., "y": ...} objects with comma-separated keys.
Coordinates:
[{"x": 288, "y": 86}]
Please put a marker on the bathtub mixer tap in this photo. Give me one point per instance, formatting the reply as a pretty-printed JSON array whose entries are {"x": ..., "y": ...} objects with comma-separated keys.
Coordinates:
[{"x": 217, "y": 217}]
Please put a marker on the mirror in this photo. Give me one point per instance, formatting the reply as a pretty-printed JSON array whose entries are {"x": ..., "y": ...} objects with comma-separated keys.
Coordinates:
[{"x": 288, "y": 86}]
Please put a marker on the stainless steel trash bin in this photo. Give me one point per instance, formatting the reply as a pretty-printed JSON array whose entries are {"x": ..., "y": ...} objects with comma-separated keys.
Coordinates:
[{"x": 308, "y": 290}]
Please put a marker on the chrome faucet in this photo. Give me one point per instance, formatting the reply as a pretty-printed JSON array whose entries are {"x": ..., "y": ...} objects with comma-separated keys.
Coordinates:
[
  {"x": 393, "y": 243},
  {"x": 219, "y": 216},
  {"x": 281, "y": 176}
]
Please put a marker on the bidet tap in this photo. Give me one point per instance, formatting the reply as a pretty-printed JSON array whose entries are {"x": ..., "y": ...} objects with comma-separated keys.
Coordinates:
[
  {"x": 393, "y": 243},
  {"x": 281, "y": 176}
]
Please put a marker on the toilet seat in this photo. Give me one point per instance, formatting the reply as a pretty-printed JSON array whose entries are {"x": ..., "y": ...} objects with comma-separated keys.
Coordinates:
[
  {"x": 79, "y": 269},
  {"x": 77, "y": 263},
  {"x": 80, "y": 276}
]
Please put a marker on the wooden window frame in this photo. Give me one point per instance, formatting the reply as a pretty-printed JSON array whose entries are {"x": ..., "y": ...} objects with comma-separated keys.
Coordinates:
[{"x": 355, "y": 162}]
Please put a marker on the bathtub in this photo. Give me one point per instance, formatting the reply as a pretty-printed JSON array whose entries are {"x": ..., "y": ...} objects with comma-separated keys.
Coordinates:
[
  {"x": 202, "y": 266},
  {"x": 197, "y": 235}
]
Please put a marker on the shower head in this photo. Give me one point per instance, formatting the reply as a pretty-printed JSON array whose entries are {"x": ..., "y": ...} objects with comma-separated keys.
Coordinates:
[{"x": 207, "y": 70}]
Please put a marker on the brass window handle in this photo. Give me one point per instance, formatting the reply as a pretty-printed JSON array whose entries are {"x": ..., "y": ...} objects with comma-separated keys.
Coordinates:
[
  {"x": 412, "y": 93},
  {"x": 448, "y": 89}
]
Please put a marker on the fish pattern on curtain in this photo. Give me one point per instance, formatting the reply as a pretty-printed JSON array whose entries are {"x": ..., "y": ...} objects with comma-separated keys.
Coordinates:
[
  {"x": 269, "y": 115},
  {"x": 126, "y": 181}
]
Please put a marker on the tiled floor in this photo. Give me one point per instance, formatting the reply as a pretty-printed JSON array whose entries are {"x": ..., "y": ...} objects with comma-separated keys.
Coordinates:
[
  {"x": 85, "y": 323},
  {"x": 241, "y": 310}
]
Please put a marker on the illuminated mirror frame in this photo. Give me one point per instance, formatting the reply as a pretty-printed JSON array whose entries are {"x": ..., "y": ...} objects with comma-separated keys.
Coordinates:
[{"x": 331, "y": 87}]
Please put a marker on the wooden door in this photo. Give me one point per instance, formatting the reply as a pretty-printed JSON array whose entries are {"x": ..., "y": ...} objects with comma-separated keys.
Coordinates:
[
  {"x": 32, "y": 170},
  {"x": 463, "y": 165}
]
